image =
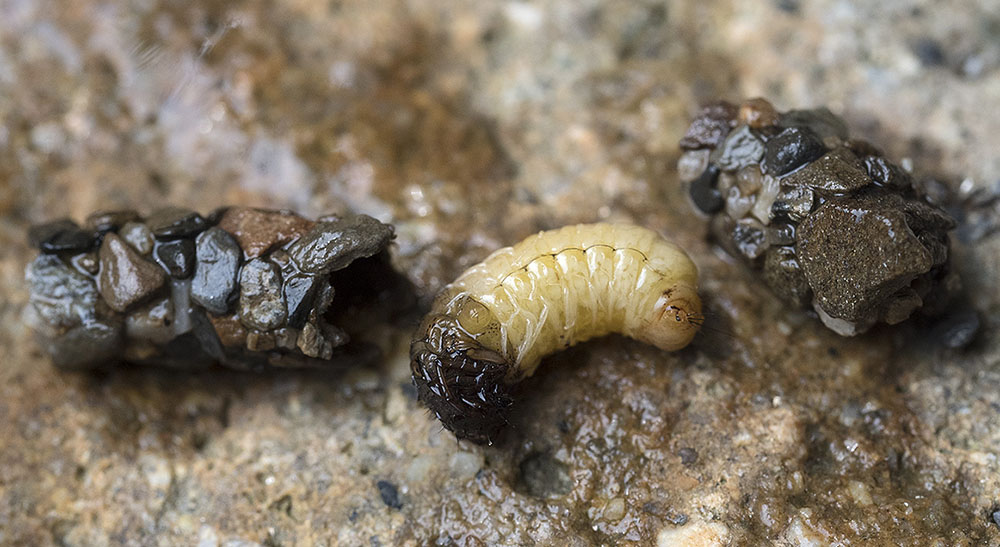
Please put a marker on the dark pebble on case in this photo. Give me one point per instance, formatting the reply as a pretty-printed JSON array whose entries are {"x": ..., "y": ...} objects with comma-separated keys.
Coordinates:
[
  {"x": 820, "y": 121},
  {"x": 177, "y": 257},
  {"x": 331, "y": 246},
  {"x": 218, "y": 261},
  {"x": 389, "y": 494},
  {"x": 703, "y": 193},
  {"x": 689, "y": 456},
  {"x": 750, "y": 238},
  {"x": 61, "y": 296},
  {"x": 125, "y": 277},
  {"x": 886, "y": 173},
  {"x": 90, "y": 345},
  {"x": 836, "y": 172},
  {"x": 957, "y": 329},
  {"x": 791, "y": 149},
  {"x": 858, "y": 251},
  {"x": 784, "y": 275},
  {"x": 795, "y": 203},
  {"x": 740, "y": 149},
  {"x": 258, "y": 231},
  {"x": 139, "y": 236},
  {"x": 710, "y": 126},
  {"x": 110, "y": 221},
  {"x": 300, "y": 292},
  {"x": 995, "y": 516},
  {"x": 175, "y": 222},
  {"x": 60, "y": 236},
  {"x": 261, "y": 305}
]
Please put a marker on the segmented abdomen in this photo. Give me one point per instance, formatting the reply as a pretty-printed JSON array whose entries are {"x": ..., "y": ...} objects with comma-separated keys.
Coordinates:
[{"x": 565, "y": 286}]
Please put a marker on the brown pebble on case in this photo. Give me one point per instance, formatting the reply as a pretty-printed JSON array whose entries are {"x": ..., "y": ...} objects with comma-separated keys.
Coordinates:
[
  {"x": 231, "y": 332},
  {"x": 757, "y": 113},
  {"x": 258, "y": 231},
  {"x": 125, "y": 277}
]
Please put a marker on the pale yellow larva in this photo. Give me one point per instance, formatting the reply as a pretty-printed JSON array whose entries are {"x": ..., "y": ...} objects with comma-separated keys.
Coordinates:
[{"x": 491, "y": 327}]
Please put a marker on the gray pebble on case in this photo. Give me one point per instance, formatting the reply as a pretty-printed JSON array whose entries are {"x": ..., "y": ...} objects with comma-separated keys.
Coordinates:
[
  {"x": 61, "y": 296},
  {"x": 740, "y": 149},
  {"x": 331, "y": 246},
  {"x": 218, "y": 261},
  {"x": 261, "y": 304},
  {"x": 87, "y": 346},
  {"x": 139, "y": 236}
]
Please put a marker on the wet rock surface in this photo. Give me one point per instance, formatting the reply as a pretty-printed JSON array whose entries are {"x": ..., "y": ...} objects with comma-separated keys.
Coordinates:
[{"x": 469, "y": 127}]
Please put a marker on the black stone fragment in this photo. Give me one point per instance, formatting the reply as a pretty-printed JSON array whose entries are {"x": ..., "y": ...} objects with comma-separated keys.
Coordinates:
[
  {"x": 300, "y": 292},
  {"x": 389, "y": 494},
  {"x": 177, "y": 257},
  {"x": 175, "y": 222},
  {"x": 218, "y": 260},
  {"x": 995, "y": 516},
  {"x": 703, "y": 192},
  {"x": 791, "y": 149},
  {"x": 60, "y": 236},
  {"x": 109, "y": 221},
  {"x": 331, "y": 246},
  {"x": 887, "y": 174},
  {"x": 711, "y": 126},
  {"x": 820, "y": 121}
]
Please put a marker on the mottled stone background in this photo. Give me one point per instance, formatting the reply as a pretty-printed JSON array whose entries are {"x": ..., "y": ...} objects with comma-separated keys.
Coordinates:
[{"x": 469, "y": 125}]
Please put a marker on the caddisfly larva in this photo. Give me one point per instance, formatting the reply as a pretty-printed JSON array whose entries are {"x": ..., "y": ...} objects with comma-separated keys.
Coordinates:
[
  {"x": 491, "y": 327},
  {"x": 243, "y": 287}
]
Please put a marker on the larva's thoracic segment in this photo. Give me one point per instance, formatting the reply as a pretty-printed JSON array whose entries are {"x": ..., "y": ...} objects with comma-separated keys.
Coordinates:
[{"x": 491, "y": 327}]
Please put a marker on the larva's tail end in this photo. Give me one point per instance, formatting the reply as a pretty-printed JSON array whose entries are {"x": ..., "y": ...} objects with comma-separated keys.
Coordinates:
[
  {"x": 469, "y": 396},
  {"x": 675, "y": 319}
]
